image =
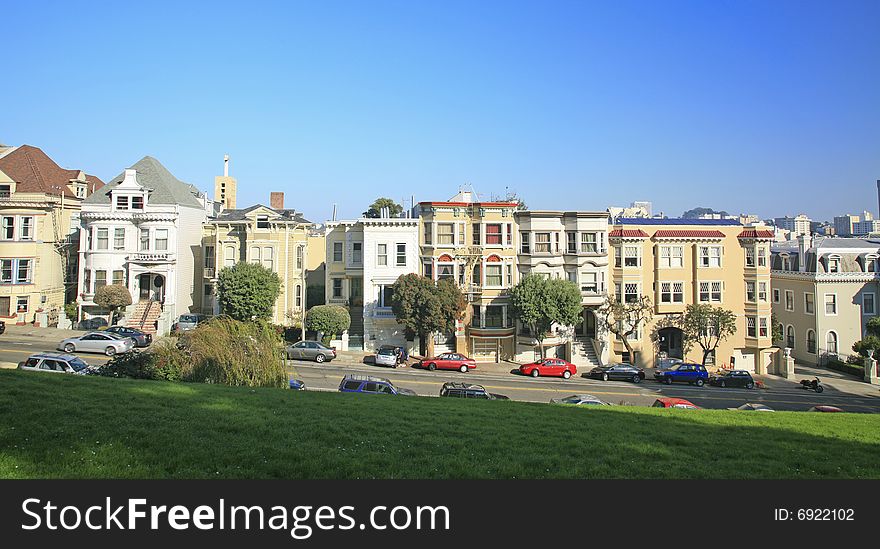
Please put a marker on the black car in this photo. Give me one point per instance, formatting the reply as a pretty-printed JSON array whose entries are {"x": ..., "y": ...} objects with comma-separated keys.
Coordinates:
[
  {"x": 141, "y": 339},
  {"x": 733, "y": 378},
  {"x": 466, "y": 390},
  {"x": 622, "y": 371},
  {"x": 95, "y": 323}
]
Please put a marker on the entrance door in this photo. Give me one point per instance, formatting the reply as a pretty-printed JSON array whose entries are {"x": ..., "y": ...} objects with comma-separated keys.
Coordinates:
[
  {"x": 485, "y": 349},
  {"x": 671, "y": 342},
  {"x": 144, "y": 282},
  {"x": 590, "y": 324},
  {"x": 4, "y": 306}
]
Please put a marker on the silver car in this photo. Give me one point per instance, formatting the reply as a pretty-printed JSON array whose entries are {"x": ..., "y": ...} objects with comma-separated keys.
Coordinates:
[
  {"x": 310, "y": 350},
  {"x": 97, "y": 342},
  {"x": 386, "y": 356},
  {"x": 56, "y": 363}
]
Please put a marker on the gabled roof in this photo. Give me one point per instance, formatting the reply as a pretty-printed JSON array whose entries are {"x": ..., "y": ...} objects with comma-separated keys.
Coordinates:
[
  {"x": 164, "y": 187},
  {"x": 34, "y": 172},
  {"x": 228, "y": 216},
  {"x": 688, "y": 233},
  {"x": 627, "y": 233}
]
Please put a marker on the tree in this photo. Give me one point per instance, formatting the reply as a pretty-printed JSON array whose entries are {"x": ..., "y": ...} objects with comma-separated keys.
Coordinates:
[
  {"x": 112, "y": 297},
  {"x": 871, "y": 342},
  {"x": 623, "y": 318},
  {"x": 330, "y": 320},
  {"x": 375, "y": 209},
  {"x": 707, "y": 326},
  {"x": 453, "y": 303},
  {"x": 247, "y": 291},
  {"x": 424, "y": 307},
  {"x": 539, "y": 303},
  {"x": 776, "y": 329}
]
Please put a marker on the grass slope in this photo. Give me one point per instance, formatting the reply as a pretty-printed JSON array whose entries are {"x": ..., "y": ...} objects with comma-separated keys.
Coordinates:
[{"x": 65, "y": 426}]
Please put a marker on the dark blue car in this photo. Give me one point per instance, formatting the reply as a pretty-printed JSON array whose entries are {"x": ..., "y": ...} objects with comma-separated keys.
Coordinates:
[
  {"x": 371, "y": 385},
  {"x": 297, "y": 385},
  {"x": 685, "y": 372}
]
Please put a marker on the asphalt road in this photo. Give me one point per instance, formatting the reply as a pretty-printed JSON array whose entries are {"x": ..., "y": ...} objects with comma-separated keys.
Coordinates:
[{"x": 327, "y": 377}]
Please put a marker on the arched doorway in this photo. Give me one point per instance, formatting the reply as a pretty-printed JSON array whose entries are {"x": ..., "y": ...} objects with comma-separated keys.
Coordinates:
[
  {"x": 670, "y": 341},
  {"x": 152, "y": 287},
  {"x": 587, "y": 325}
]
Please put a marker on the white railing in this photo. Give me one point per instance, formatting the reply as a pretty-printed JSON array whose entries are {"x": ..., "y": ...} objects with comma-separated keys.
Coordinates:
[
  {"x": 209, "y": 272},
  {"x": 152, "y": 257}
]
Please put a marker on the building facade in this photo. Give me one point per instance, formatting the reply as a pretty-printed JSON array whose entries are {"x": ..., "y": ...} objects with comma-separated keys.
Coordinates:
[
  {"x": 824, "y": 292},
  {"x": 798, "y": 225},
  {"x": 39, "y": 207},
  {"x": 143, "y": 230},
  {"x": 678, "y": 262}
]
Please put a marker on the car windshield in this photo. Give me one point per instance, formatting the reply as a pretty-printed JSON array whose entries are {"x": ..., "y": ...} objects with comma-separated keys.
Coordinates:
[
  {"x": 571, "y": 400},
  {"x": 78, "y": 364},
  {"x": 386, "y": 351},
  {"x": 187, "y": 318}
]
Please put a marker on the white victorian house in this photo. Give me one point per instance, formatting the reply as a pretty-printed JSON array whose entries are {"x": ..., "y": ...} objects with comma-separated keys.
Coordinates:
[{"x": 143, "y": 230}]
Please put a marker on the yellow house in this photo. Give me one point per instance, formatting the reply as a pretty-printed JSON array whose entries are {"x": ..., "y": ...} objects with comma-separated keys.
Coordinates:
[
  {"x": 39, "y": 210},
  {"x": 474, "y": 244},
  {"x": 678, "y": 262},
  {"x": 274, "y": 237}
]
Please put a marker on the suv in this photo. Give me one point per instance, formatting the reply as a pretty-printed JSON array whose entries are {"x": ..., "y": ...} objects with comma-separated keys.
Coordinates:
[
  {"x": 188, "y": 322},
  {"x": 55, "y": 362},
  {"x": 466, "y": 390},
  {"x": 353, "y": 383},
  {"x": 695, "y": 374}
]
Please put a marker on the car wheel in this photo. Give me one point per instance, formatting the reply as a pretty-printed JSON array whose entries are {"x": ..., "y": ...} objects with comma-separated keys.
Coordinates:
[
  {"x": 668, "y": 381},
  {"x": 69, "y": 348},
  {"x": 722, "y": 384},
  {"x": 699, "y": 383},
  {"x": 750, "y": 385},
  {"x": 432, "y": 366},
  {"x": 110, "y": 351},
  {"x": 463, "y": 369},
  {"x": 819, "y": 389},
  {"x": 566, "y": 374},
  {"x": 535, "y": 373},
  {"x": 604, "y": 376},
  {"x": 637, "y": 378},
  {"x": 319, "y": 358}
]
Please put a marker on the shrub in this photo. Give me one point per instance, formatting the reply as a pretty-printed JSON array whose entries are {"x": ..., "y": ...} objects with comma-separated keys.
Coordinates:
[
  {"x": 70, "y": 310},
  {"x": 331, "y": 320},
  {"x": 248, "y": 291},
  {"x": 112, "y": 297},
  {"x": 840, "y": 366},
  {"x": 163, "y": 361}
]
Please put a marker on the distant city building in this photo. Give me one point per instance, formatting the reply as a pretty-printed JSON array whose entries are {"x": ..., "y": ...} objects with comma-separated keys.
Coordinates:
[
  {"x": 843, "y": 224},
  {"x": 866, "y": 227},
  {"x": 798, "y": 225}
]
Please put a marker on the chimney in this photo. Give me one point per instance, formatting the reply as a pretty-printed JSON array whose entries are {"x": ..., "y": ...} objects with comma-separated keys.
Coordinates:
[
  {"x": 225, "y": 165},
  {"x": 804, "y": 243},
  {"x": 276, "y": 200}
]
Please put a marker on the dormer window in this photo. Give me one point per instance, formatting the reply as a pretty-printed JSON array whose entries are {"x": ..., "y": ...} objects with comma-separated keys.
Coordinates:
[
  {"x": 121, "y": 202},
  {"x": 870, "y": 263},
  {"x": 262, "y": 221},
  {"x": 5, "y": 192},
  {"x": 834, "y": 264},
  {"x": 137, "y": 202}
]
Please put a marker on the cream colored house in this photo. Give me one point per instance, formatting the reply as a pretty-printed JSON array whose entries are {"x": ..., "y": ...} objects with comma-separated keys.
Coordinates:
[
  {"x": 40, "y": 204},
  {"x": 677, "y": 262},
  {"x": 824, "y": 292}
]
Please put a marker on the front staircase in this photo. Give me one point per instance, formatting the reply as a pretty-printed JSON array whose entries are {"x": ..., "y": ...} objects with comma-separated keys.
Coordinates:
[
  {"x": 356, "y": 329},
  {"x": 583, "y": 355},
  {"x": 145, "y": 315}
]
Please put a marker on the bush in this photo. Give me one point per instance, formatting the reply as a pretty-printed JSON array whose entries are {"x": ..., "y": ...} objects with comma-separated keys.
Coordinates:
[
  {"x": 70, "y": 310},
  {"x": 132, "y": 364},
  {"x": 248, "y": 291},
  {"x": 840, "y": 366},
  {"x": 331, "y": 320},
  {"x": 164, "y": 361}
]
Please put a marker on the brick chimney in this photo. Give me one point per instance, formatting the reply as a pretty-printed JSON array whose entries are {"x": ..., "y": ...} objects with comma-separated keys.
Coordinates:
[{"x": 276, "y": 200}]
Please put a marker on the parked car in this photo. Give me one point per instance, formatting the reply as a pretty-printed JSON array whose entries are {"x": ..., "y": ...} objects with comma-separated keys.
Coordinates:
[
  {"x": 733, "y": 378},
  {"x": 141, "y": 339},
  {"x": 353, "y": 383},
  {"x": 826, "y": 409},
  {"x": 754, "y": 407},
  {"x": 94, "y": 323},
  {"x": 55, "y": 362},
  {"x": 675, "y": 403},
  {"x": 448, "y": 361},
  {"x": 579, "y": 400},
  {"x": 187, "y": 322},
  {"x": 465, "y": 390},
  {"x": 667, "y": 363},
  {"x": 310, "y": 350},
  {"x": 390, "y": 355},
  {"x": 686, "y": 372},
  {"x": 97, "y": 342},
  {"x": 297, "y": 385},
  {"x": 622, "y": 371},
  {"x": 549, "y": 367},
  {"x": 2, "y": 326}
]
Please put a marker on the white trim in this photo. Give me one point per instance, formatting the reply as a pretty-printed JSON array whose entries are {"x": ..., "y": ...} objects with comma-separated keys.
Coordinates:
[{"x": 825, "y": 305}]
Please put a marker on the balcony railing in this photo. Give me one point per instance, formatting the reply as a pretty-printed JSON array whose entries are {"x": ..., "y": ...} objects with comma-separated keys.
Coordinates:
[
  {"x": 152, "y": 257},
  {"x": 384, "y": 312},
  {"x": 209, "y": 272}
]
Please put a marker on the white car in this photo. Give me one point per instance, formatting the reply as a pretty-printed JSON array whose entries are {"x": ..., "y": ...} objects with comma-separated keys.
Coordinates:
[
  {"x": 98, "y": 342},
  {"x": 55, "y": 363},
  {"x": 386, "y": 356},
  {"x": 579, "y": 400}
]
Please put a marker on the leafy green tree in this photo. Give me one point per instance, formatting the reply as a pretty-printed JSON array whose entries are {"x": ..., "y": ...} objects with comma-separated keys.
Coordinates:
[
  {"x": 375, "y": 209},
  {"x": 707, "y": 326},
  {"x": 777, "y": 330},
  {"x": 870, "y": 343},
  {"x": 453, "y": 303},
  {"x": 623, "y": 318},
  {"x": 330, "y": 320},
  {"x": 423, "y": 307},
  {"x": 539, "y": 303},
  {"x": 873, "y": 326},
  {"x": 247, "y": 291},
  {"x": 112, "y": 297}
]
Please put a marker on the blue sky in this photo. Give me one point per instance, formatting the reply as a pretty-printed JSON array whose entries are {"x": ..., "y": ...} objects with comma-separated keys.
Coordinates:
[{"x": 767, "y": 107}]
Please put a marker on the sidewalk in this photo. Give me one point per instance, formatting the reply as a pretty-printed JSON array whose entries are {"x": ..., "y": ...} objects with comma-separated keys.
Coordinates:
[
  {"x": 29, "y": 330},
  {"x": 831, "y": 379}
]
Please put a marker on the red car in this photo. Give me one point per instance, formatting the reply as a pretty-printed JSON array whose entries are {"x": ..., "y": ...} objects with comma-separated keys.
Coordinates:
[
  {"x": 826, "y": 409},
  {"x": 675, "y": 403},
  {"x": 448, "y": 361},
  {"x": 549, "y": 367}
]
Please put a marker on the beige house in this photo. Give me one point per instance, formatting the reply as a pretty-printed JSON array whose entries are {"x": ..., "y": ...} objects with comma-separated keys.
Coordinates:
[
  {"x": 677, "y": 262},
  {"x": 824, "y": 292},
  {"x": 272, "y": 236},
  {"x": 40, "y": 204}
]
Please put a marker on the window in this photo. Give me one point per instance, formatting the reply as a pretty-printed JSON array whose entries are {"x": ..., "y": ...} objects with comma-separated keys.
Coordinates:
[
  {"x": 710, "y": 292},
  {"x": 24, "y": 272},
  {"x": 589, "y": 243},
  {"x": 137, "y": 203},
  {"x": 508, "y": 268},
  {"x": 789, "y": 300},
  {"x": 493, "y": 275},
  {"x": 831, "y": 343},
  {"x": 618, "y": 255},
  {"x": 229, "y": 259},
  {"x": 103, "y": 238},
  {"x": 161, "y": 240},
  {"x": 750, "y": 327},
  {"x": 809, "y": 303},
  {"x": 750, "y": 292},
  {"x": 762, "y": 291},
  {"x": 571, "y": 243},
  {"x": 542, "y": 243},
  {"x": 475, "y": 228},
  {"x": 775, "y": 295},
  {"x": 357, "y": 252},
  {"x": 386, "y": 294},
  {"x": 300, "y": 250},
  {"x": 445, "y": 233},
  {"x": 255, "y": 255},
  {"x": 145, "y": 240},
  {"x": 337, "y": 287},
  {"x": 830, "y": 304},
  {"x": 100, "y": 279},
  {"x": 477, "y": 317},
  {"x": 119, "y": 277},
  {"x": 811, "y": 342},
  {"x": 750, "y": 257},
  {"x": 710, "y": 256},
  {"x": 445, "y": 270},
  {"x": 87, "y": 281},
  {"x": 262, "y": 221},
  {"x": 671, "y": 257},
  {"x": 833, "y": 264},
  {"x": 762, "y": 256},
  {"x": 461, "y": 239},
  {"x": 428, "y": 269},
  {"x": 632, "y": 256},
  {"x": 589, "y": 282},
  {"x": 382, "y": 255},
  {"x": 524, "y": 247},
  {"x": 868, "y": 305},
  {"x": 26, "y": 231},
  {"x": 119, "y": 238},
  {"x": 870, "y": 265},
  {"x": 476, "y": 275},
  {"x": 789, "y": 337},
  {"x": 8, "y": 227},
  {"x": 21, "y": 304},
  {"x": 298, "y": 300},
  {"x": 494, "y": 316},
  {"x": 208, "y": 290},
  {"x": 337, "y": 252},
  {"x": 428, "y": 235},
  {"x": 631, "y": 292},
  {"x": 762, "y": 327},
  {"x": 401, "y": 255},
  {"x": 269, "y": 258},
  {"x": 672, "y": 292},
  {"x": 6, "y": 271},
  {"x": 121, "y": 202},
  {"x": 509, "y": 234}
]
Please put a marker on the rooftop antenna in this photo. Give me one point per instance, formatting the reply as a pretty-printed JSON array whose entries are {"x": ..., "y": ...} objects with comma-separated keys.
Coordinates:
[{"x": 225, "y": 165}]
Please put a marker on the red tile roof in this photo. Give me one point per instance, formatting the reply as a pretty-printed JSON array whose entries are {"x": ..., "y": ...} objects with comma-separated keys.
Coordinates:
[
  {"x": 688, "y": 233},
  {"x": 755, "y": 233},
  {"x": 627, "y": 233},
  {"x": 34, "y": 172}
]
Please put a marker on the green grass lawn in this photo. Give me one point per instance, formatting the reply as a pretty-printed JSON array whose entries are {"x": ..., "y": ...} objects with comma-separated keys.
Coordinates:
[{"x": 62, "y": 426}]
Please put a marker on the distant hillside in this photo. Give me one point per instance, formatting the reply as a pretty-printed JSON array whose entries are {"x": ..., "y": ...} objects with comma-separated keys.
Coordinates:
[{"x": 697, "y": 212}]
